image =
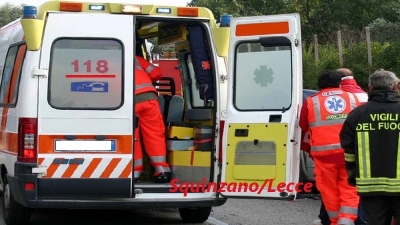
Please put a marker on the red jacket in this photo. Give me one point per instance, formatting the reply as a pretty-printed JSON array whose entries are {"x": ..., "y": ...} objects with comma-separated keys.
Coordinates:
[
  {"x": 320, "y": 121},
  {"x": 145, "y": 74},
  {"x": 350, "y": 85}
]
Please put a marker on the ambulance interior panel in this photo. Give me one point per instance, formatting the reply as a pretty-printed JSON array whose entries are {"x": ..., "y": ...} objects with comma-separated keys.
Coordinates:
[{"x": 189, "y": 120}]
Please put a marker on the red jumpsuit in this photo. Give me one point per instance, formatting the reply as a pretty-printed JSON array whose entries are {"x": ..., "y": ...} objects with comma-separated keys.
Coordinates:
[
  {"x": 322, "y": 116},
  {"x": 151, "y": 124}
]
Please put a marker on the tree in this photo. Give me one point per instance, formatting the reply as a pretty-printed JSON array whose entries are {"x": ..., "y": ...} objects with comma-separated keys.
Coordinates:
[
  {"x": 322, "y": 17},
  {"x": 245, "y": 7},
  {"x": 325, "y": 17},
  {"x": 9, "y": 13}
]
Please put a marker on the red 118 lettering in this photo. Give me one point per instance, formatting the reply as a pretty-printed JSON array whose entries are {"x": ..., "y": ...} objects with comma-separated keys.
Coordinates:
[{"x": 101, "y": 66}]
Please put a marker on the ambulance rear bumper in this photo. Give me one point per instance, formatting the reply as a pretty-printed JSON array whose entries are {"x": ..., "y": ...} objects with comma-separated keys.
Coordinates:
[
  {"x": 124, "y": 203},
  {"x": 105, "y": 194}
]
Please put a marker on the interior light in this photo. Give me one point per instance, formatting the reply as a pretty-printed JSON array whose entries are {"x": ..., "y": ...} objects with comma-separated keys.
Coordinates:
[
  {"x": 164, "y": 10},
  {"x": 97, "y": 7},
  {"x": 131, "y": 8}
]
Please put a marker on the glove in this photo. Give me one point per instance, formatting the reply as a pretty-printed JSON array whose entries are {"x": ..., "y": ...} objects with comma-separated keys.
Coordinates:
[{"x": 351, "y": 178}]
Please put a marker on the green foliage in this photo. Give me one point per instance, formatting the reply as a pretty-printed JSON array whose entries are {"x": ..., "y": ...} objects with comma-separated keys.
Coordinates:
[
  {"x": 384, "y": 55},
  {"x": 322, "y": 17},
  {"x": 9, "y": 13},
  {"x": 245, "y": 7},
  {"x": 325, "y": 18},
  {"x": 312, "y": 67},
  {"x": 355, "y": 57},
  {"x": 383, "y": 30}
]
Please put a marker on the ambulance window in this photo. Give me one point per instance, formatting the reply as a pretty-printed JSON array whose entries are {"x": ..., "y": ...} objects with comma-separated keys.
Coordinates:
[
  {"x": 86, "y": 74},
  {"x": 263, "y": 77},
  {"x": 11, "y": 75}
]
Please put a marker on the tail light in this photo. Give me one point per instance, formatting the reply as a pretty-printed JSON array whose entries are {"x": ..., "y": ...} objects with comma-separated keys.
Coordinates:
[
  {"x": 27, "y": 140},
  {"x": 221, "y": 135}
]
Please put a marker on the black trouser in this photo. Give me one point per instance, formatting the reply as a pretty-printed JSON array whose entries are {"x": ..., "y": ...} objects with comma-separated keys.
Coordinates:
[
  {"x": 381, "y": 209},
  {"x": 324, "y": 217}
]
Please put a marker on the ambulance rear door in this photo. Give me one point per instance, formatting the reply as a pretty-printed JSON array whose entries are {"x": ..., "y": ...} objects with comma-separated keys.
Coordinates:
[
  {"x": 85, "y": 116},
  {"x": 261, "y": 139}
]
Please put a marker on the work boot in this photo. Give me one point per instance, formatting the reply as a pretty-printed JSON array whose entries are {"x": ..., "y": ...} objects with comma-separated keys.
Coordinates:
[
  {"x": 162, "y": 178},
  {"x": 317, "y": 222}
]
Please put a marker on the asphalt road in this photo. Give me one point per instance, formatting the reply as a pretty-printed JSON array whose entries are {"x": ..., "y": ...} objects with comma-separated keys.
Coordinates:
[{"x": 235, "y": 212}]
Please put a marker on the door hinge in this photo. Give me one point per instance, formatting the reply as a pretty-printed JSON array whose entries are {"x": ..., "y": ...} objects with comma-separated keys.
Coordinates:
[
  {"x": 40, "y": 171},
  {"x": 40, "y": 73},
  {"x": 296, "y": 42},
  {"x": 223, "y": 78}
]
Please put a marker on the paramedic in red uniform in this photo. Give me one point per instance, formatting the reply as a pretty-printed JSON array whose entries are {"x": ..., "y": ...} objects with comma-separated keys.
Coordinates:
[
  {"x": 322, "y": 115},
  {"x": 348, "y": 84},
  {"x": 151, "y": 124}
]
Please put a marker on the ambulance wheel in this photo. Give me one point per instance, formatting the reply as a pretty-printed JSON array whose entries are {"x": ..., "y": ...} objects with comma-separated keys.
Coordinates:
[
  {"x": 195, "y": 215},
  {"x": 13, "y": 212},
  {"x": 302, "y": 176}
]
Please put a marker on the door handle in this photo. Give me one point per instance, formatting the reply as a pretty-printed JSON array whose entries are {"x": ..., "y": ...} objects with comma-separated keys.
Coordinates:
[
  {"x": 70, "y": 137},
  {"x": 275, "y": 118},
  {"x": 241, "y": 132},
  {"x": 100, "y": 137}
]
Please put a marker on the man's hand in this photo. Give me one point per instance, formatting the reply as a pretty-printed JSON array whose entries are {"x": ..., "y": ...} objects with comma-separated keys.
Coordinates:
[{"x": 351, "y": 179}]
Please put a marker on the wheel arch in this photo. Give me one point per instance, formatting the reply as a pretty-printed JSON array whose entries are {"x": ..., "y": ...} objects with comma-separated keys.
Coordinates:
[{"x": 3, "y": 172}]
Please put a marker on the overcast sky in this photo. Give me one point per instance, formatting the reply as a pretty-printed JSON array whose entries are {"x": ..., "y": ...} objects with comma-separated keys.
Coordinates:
[{"x": 157, "y": 2}]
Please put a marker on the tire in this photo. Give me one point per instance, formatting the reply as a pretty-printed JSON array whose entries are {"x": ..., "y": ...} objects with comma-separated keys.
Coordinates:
[
  {"x": 195, "y": 215},
  {"x": 13, "y": 212},
  {"x": 302, "y": 168},
  {"x": 302, "y": 176}
]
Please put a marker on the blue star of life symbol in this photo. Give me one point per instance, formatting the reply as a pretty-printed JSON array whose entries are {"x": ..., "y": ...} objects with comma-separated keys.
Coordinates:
[{"x": 335, "y": 104}]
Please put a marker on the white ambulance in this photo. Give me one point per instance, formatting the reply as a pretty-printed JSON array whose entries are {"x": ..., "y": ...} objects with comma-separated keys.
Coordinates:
[{"x": 67, "y": 102}]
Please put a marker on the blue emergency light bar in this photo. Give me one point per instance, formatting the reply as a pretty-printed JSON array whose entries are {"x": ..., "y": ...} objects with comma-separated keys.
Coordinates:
[
  {"x": 29, "y": 12},
  {"x": 225, "y": 20}
]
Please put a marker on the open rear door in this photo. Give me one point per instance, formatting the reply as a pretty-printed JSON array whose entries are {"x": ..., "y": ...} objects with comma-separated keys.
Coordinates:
[
  {"x": 261, "y": 142},
  {"x": 85, "y": 115}
]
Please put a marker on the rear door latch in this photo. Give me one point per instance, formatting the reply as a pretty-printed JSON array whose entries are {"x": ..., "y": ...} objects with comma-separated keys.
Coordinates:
[{"x": 40, "y": 73}]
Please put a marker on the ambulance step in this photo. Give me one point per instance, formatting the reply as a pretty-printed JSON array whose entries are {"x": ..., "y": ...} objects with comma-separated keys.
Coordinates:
[{"x": 146, "y": 188}]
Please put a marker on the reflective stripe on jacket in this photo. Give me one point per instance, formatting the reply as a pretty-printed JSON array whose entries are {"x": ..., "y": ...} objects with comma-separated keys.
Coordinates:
[
  {"x": 327, "y": 112},
  {"x": 371, "y": 140},
  {"x": 145, "y": 74}
]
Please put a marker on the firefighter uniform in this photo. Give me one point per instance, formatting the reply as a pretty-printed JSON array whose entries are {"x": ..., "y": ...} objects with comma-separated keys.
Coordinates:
[
  {"x": 322, "y": 116},
  {"x": 151, "y": 124},
  {"x": 370, "y": 138}
]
